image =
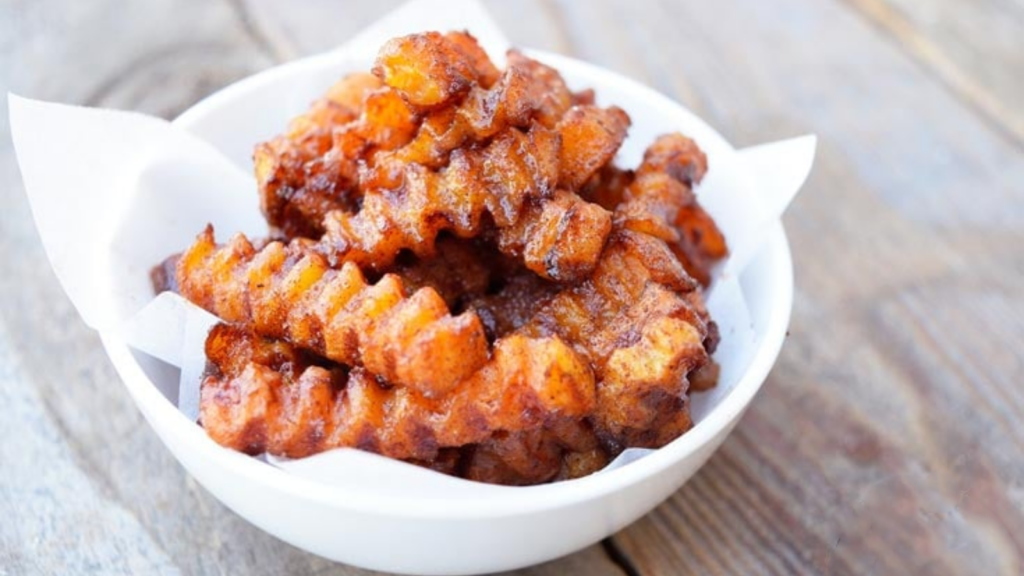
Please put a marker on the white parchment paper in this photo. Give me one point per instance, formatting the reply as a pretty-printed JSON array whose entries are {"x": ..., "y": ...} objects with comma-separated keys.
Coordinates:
[{"x": 114, "y": 193}]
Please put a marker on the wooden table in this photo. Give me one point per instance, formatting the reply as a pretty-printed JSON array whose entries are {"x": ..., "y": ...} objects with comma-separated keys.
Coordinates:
[{"x": 888, "y": 439}]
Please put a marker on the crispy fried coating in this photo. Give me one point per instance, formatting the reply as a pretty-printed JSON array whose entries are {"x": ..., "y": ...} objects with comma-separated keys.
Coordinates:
[
  {"x": 315, "y": 166},
  {"x": 263, "y": 395},
  {"x": 496, "y": 179},
  {"x": 526, "y": 91},
  {"x": 504, "y": 310},
  {"x": 462, "y": 270},
  {"x": 387, "y": 122},
  {"x": 607, "y": 187},
  {"x": 380, "y": 190},
  {"x": 297, "y": 182},
  {"x": 560, "y": 238},
  {"x": 590, "y": 138},
  {"x": 427, "y": 69},
  {"x": 486, "y": 73},
  {"x": 633, "y": 321},
  {"x": 289, "y": 291},
  {"x": 660, "y": 202},
  {"x": 512, "y": 179},
  {"x": 550, "y": 97}
]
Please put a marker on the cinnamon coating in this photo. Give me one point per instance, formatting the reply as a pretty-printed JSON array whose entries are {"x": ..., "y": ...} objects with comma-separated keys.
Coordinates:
[
  {"x": 526, "y": 91},
  {"x": 428, "y": 69},
  {"x": 660, "y": 202},
  {"x": 561, "y": 450},
  {"x": 264, "y": 395},
  {"x": 513, "y": 180},
  {"x": 300, "y": 175},
  {"x": 289, "y": 292},
  {"x": 635, "y": 325}
]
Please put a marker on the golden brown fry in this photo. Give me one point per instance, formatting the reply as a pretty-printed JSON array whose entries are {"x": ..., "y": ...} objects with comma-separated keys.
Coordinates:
[
  {"x": 560, "y": 238},
  {"x": 486, "y": 73},
  {"x": 406, "y": 205},
  {"x": 631, "y": 319},
  {"x": 296, "y": 179},
  {"x": 660, "y": 202},
  {"x": 427, "y": 69},
  {"x": 387, "y": 123},
  {"x": 548, "y": 95},
  {"x": 677, "y": 156},
  {"x": 496, "y": 179},
  {"x": 265, "y": 396},
  {"x": 557, "y": 234},
  {"x": 461, "y": 271},
  {"x": 314, "y": 167},
  {"x": 509, "y": 307},
  {"x": 590, "y": 138},
  {"x": 522, "y": 94},
  {"x": 290, "y": 292}
]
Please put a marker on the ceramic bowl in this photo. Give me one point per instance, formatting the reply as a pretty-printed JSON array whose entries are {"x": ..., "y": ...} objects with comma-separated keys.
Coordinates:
[{"x": 395, "y": 529}]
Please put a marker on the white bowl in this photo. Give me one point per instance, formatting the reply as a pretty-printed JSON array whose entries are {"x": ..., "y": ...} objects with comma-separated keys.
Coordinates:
[{"x": 401, "y": 532}]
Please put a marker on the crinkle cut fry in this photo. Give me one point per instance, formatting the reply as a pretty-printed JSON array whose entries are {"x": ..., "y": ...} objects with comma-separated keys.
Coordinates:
[
  {"x": 314, "y": 167},
  {"x": 428, "y": 69},
  {"x": 442, "y": 150},
  {"x": 302, "y": 175},
  {"x": 460, "y": 272},
  {"x": 549, "y": 235},
  {"x": 641, "y": 385},
  {"x": 299, "y": 176},
  {"x": 641, "y": 390},
  {"x": 525, "y": 91},
  {"x": 264, "y": 395},
  {"x": 290, "y": 292},
  {"x": 660, "y": 202},
  {"x": 634, "y": 321},
  {"x": 561, "y": 450},
  {"x": 513, "y": 179},
  {"x": 317, "y": 165}
]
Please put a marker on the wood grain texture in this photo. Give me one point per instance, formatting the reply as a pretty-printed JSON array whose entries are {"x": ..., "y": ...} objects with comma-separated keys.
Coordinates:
[
  {"x": 972, "y": 47},
  {"x": 888, "y": 440}
]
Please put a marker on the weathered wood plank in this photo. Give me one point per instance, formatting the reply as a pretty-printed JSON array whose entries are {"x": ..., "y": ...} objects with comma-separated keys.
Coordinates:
[{"x": 975, "y": 48}]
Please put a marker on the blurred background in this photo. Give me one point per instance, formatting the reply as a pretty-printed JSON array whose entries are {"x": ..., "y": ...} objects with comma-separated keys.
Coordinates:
[{"x": 888, "y": 439}]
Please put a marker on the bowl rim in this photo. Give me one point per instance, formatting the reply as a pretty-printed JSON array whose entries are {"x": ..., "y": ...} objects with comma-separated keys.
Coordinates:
[{"x": 512, "y": 501}]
